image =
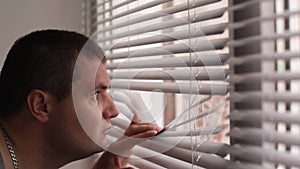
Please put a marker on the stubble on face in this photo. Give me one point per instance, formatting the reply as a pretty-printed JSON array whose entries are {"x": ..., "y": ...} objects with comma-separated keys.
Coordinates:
[{"x": 93, "y": 77}]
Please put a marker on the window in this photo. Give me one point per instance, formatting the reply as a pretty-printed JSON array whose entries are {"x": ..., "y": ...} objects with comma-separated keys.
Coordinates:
[{"x": 195, "y": 61}]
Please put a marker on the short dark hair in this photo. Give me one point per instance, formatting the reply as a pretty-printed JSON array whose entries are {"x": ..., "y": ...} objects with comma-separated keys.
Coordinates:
[{"x": 42, "y": 60}]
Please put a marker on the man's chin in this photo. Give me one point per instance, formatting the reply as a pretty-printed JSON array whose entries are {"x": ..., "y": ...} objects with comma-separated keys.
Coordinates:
[
  {"x": 97, "y": 149},
  {"x": 103, "y": 142}
]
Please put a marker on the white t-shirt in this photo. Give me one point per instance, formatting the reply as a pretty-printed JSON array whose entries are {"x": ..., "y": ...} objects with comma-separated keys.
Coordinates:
[{"x": 1, "y": 163}]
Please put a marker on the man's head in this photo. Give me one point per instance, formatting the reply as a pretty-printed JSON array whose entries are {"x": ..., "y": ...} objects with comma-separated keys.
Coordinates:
[
  {"x": 57, "y": 82},
  {"x": 42, "y": 60}
]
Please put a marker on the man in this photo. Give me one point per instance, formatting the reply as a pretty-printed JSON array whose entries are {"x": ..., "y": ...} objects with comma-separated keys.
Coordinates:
[{"x": 54, "y": 106}]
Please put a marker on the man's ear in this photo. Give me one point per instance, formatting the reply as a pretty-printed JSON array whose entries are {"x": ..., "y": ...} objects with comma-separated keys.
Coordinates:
[{"x": 38, "y": 102}]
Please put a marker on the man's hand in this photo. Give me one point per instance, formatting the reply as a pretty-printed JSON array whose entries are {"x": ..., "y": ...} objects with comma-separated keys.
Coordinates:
[
  {"x": 135, "y": 134},
  {"x": 141, "y": 130}
]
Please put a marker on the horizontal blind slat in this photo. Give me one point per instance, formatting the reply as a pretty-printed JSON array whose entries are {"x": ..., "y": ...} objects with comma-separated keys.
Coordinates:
[
  {"x": 195, "y": 88},
  {"x": 100, "y": 4},
  {"x": 257, "y": 115},
  {"x": 164, "y": 25},
  {"x": 197, "y": 59},
  {"x": 197, "y": 132},
  {"x": 112, "y": 8},
  {"x": 209, "y": 147},
  {"x": 183, "y": 74},
  {"x": 168, "y": 37},
  {"x": 128, "y": 12},
  {"x": 143, "y": 163},
  {"x": 249, "y": 152},
  {"x": 264, "y": 57},
  {"x": 171, "y": 10},
  {"x": 243, "y": 5},
  {"x": 171, "y": 49},
  {"x": 251, "y": 135},
  {"x": 161, "y": 159},
  {"x": 256, "y": 20},
  {"x": 206, "y": 160},
  {"x": 122, "y": 123},
  {"x": 254, "y": 39},
  {"x": 257, "y": 96},
  {"x": 276, "y": 76}
]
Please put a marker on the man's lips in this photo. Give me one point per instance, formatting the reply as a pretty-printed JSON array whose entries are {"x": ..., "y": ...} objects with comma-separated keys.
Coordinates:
[{"x": 106, "y": 130}]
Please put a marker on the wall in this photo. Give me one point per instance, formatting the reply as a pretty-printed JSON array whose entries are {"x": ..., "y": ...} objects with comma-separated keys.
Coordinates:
[{"x": 18, "y": 17}]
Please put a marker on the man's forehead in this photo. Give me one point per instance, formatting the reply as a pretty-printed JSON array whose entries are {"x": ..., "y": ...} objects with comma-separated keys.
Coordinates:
[
  {"x": 86, "y": 66},
  {"x": 92, "y": 71}
]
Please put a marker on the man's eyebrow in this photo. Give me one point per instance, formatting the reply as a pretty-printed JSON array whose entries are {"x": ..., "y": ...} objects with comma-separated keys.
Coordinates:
[{"x": 102, "y": 86}]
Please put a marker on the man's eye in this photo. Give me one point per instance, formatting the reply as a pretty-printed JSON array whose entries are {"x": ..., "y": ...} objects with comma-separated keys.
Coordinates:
[{"x": 96, "y": 95}]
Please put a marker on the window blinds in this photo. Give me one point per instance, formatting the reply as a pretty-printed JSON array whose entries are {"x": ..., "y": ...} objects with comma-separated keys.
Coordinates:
[
  {"x": 156, "y": 46},
  {"x": 264, "y": 46},
  {"x": 178, "y": 49}
]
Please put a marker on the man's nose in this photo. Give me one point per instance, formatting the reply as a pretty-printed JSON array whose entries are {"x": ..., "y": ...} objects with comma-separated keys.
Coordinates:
[{"x": 109, "y": 109}]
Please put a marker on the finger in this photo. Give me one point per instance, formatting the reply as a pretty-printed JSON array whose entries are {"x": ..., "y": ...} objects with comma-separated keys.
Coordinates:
[
  {"x": 147, "y": 134},
  {"x": 140, "y": 128},
  {"x": 124, "y": 161},
  {"x": 136, "y": 118}
]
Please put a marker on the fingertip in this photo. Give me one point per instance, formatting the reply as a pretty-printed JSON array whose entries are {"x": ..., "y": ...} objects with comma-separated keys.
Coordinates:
[
  {"x": 154, "y": 132},
  {"x": 158, "y": 128},
  {"x": 147, "y": 134}
]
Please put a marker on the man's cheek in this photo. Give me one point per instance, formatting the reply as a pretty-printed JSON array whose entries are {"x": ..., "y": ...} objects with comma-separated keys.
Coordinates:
[{"x": 91, "y": 120}]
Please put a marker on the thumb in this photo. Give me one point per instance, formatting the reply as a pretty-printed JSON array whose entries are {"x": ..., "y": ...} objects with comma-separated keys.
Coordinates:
[{"x": 136, "y": 118}]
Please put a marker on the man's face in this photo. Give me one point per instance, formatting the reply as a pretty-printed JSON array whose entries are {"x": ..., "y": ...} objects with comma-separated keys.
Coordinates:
[
  {"x": 88, "y": 112},
  {"x": 93, "y": 106}
]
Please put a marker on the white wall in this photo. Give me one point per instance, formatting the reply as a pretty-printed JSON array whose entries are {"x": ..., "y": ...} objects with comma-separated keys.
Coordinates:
[{"x": 18, "y": 17}]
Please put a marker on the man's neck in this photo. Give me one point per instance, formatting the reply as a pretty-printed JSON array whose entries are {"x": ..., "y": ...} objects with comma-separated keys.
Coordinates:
[{"x": 31, "y": 148}]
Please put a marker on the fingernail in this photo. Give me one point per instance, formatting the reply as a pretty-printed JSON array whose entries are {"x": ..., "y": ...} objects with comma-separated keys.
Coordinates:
[{"x": 154, "y": 131}]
